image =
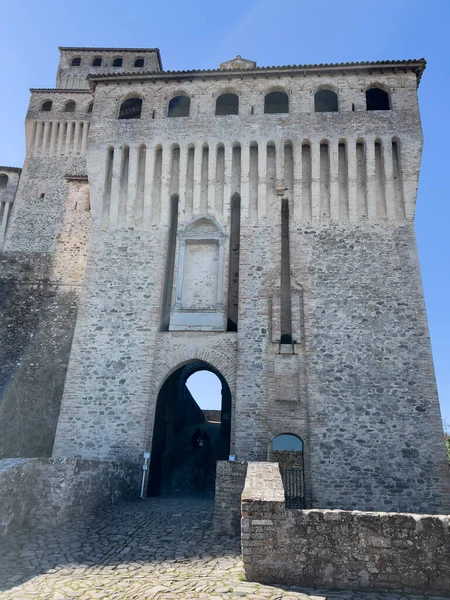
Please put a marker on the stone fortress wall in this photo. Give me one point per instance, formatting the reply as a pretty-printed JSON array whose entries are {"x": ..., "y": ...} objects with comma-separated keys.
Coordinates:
[{"x": 355, "y": 381}]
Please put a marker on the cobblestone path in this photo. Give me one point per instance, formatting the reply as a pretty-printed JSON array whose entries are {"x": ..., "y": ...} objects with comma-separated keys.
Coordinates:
[{"x": 155, "y": 548}]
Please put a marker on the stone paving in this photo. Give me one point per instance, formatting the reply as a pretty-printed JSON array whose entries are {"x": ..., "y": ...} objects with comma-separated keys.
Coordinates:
[{"x": 149, "y": 549}]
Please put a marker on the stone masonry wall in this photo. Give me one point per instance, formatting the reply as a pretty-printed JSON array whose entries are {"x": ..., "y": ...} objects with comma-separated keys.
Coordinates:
[
  {"x": 230, "y": 480},
  {"x": 339, "y": 549},
  {"x": 46, "y": 492}
]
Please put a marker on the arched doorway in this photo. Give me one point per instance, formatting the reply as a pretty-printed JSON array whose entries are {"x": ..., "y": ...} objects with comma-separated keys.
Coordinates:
[
  {"x": 188, "y": 409},
  {"x": 288, "y": 451}
]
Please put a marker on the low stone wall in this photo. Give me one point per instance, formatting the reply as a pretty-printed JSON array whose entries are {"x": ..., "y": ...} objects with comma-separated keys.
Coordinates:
[
  {"x": 46, "y": 492},
  {"x": 230, "y": 480},
  {"x": 336, "y": 548}
]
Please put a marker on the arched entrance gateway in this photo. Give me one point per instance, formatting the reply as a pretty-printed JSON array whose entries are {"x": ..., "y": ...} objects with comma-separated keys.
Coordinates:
[{"x": 180, "y": 422}]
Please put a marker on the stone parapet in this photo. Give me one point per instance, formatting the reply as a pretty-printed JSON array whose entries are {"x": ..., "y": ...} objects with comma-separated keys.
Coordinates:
[
  {"x": 351, "y": 550},
  {"x": 230, "y": 479},
  {"x": 46, "y": 492}
]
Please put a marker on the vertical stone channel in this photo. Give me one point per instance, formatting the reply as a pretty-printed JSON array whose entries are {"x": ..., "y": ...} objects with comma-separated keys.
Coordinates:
[
  {"x": 140, "y": 185},
  {"x": 324, "y": 181},
  {"x": 343, "y": 181},
  {"x": 285, "y": 284},
  {"x": 157, "y": 184},
  {"x": 190, "y": 183},
  {"x": 379, "y": 180},
  {"x": 306, "y": 182},
  {"x": 220, "y": 178},
  {"x": 170, "y": 264},
  {"x": 123, "y": 193},
  {"x": 108, "y": 185},
  {"x": 204, "y": 181},
  {"x": 361, "y": 179},
  {"x": 398, "y": 182},
  {"x": 233, "y": 275},
  {"x": 253, "y": 183}
]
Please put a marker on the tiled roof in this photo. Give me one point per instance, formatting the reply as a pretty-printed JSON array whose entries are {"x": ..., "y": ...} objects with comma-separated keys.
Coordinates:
[
  {"x": 416, "y": 65},
  {"x": 61, "y": 91}
]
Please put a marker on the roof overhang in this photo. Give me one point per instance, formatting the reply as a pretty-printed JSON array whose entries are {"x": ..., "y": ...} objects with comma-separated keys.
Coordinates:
[{"x": 416, "y": 66}]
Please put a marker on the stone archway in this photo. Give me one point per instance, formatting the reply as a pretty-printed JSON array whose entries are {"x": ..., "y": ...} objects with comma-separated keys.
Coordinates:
[{"x": 177, "y": 418}]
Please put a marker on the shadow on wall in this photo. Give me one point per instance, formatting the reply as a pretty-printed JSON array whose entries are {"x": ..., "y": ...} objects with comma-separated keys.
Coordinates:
[{"x": 36, "y": 330}]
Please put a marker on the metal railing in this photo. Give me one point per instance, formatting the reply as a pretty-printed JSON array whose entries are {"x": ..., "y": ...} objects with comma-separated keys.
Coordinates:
[{"x": 294, "y": 487}]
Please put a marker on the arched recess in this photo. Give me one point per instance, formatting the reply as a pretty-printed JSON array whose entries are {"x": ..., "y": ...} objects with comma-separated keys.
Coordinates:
[
  {"x": 70, "y": 106},
  {"x": 178, "y": 423},
  {"x": 326, "y": 101},
  {"x": 179, "y": 106},
  {"x": 276, "y": 102},
  {"x": 227, "y": 104},
  {"x": 131, "y": 108},
  {"x": 377, "y": 99},
  {"x": 200, "y": 279},
  {"x": 46, "y": 106},
  {"x": 3, "y": 180}
]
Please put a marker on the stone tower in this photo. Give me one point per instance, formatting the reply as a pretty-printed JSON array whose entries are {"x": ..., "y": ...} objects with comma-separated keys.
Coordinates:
[{"x": 254, "y": 220}]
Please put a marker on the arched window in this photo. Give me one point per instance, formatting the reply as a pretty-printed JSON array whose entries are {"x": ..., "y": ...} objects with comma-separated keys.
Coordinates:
[
  {"x": 227, "y": 104},
  {"x": 117, "y": 62},
  {"x": 139, "y": 62},
  {"x": 377, "y": 99},
  {"x": 179, "y": 106},
  {"x": 3, "y": 181},
  {"x": 97, "y": 62},
  {"x": 131, "y": 109},
  {"x": 90, "y": 106},
  {"x": 276, "y": 102},
  {"x": 325, "y": 101},
  {"x": 76, "y": 62},
  {"x": 47, "y": 106},
  {"x": 70, "y": 106}
]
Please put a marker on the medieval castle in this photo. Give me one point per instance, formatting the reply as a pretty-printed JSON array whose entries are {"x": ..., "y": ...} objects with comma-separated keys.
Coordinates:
[{"x": 252, "y": 221}]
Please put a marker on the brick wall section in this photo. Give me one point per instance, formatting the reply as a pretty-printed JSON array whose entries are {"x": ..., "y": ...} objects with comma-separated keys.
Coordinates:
[
  {"x": 48, "y": 492},
  {"x": 339, "y": 549},
  {"x": 230, "y": 479}
]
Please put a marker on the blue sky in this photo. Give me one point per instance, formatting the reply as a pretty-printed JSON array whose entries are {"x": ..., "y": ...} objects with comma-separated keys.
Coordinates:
[{"x": 201, "y": 34}]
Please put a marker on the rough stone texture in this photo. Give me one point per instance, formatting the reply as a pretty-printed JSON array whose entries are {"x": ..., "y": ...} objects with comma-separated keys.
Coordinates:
[
  {"x": 230, "y": 480},
  {"x": 50, "y": 491},
  {"x": 357, "y": 384},
  {"x": 339, "y": 549},
  {"x": 156, "y": 548}
]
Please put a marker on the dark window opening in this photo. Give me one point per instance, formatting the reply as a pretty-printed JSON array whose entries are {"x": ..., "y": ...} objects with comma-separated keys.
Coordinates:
[
  {"x": 90, "y": 106},
  {"x": 3, "y": 181},
  {"x": 325, "y": 101},
  {"x": 70, "y": 106},
  {"x": 117, "y": 62},
  {"x": 131, "y": 109},
  {"x": 76, "y": 62},
  {"x": 97, "y": 62},
  {"x": 47, "y": 106},
  {"x": 227, "y": 104},
  {"x": 276, "y": 102},
  {"x": 170, "y": 264},
  {"x": 377, "y": 99},
  {"x": 139, "y": 62},
  {"x": 42, "y": 195},
  {"x": 179, "y": 107}
]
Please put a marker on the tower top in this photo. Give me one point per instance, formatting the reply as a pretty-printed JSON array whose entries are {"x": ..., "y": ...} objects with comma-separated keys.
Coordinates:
[{"x": 238, "y": 63}]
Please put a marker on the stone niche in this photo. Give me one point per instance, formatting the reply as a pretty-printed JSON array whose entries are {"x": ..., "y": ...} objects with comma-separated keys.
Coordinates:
[{"x": 199, "y": 302}]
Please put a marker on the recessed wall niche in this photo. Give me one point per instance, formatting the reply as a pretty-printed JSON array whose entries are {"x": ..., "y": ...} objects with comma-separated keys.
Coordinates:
[{"x": 199, "y": 286}]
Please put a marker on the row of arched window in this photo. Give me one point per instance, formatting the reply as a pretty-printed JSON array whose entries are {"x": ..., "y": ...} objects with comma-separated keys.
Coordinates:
[
  {"x": 69, "y": 107},
  {"x": 228, "y": 104},
  {"x": 274, "y": 102},
  {"x": 98, "y": 61}
]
